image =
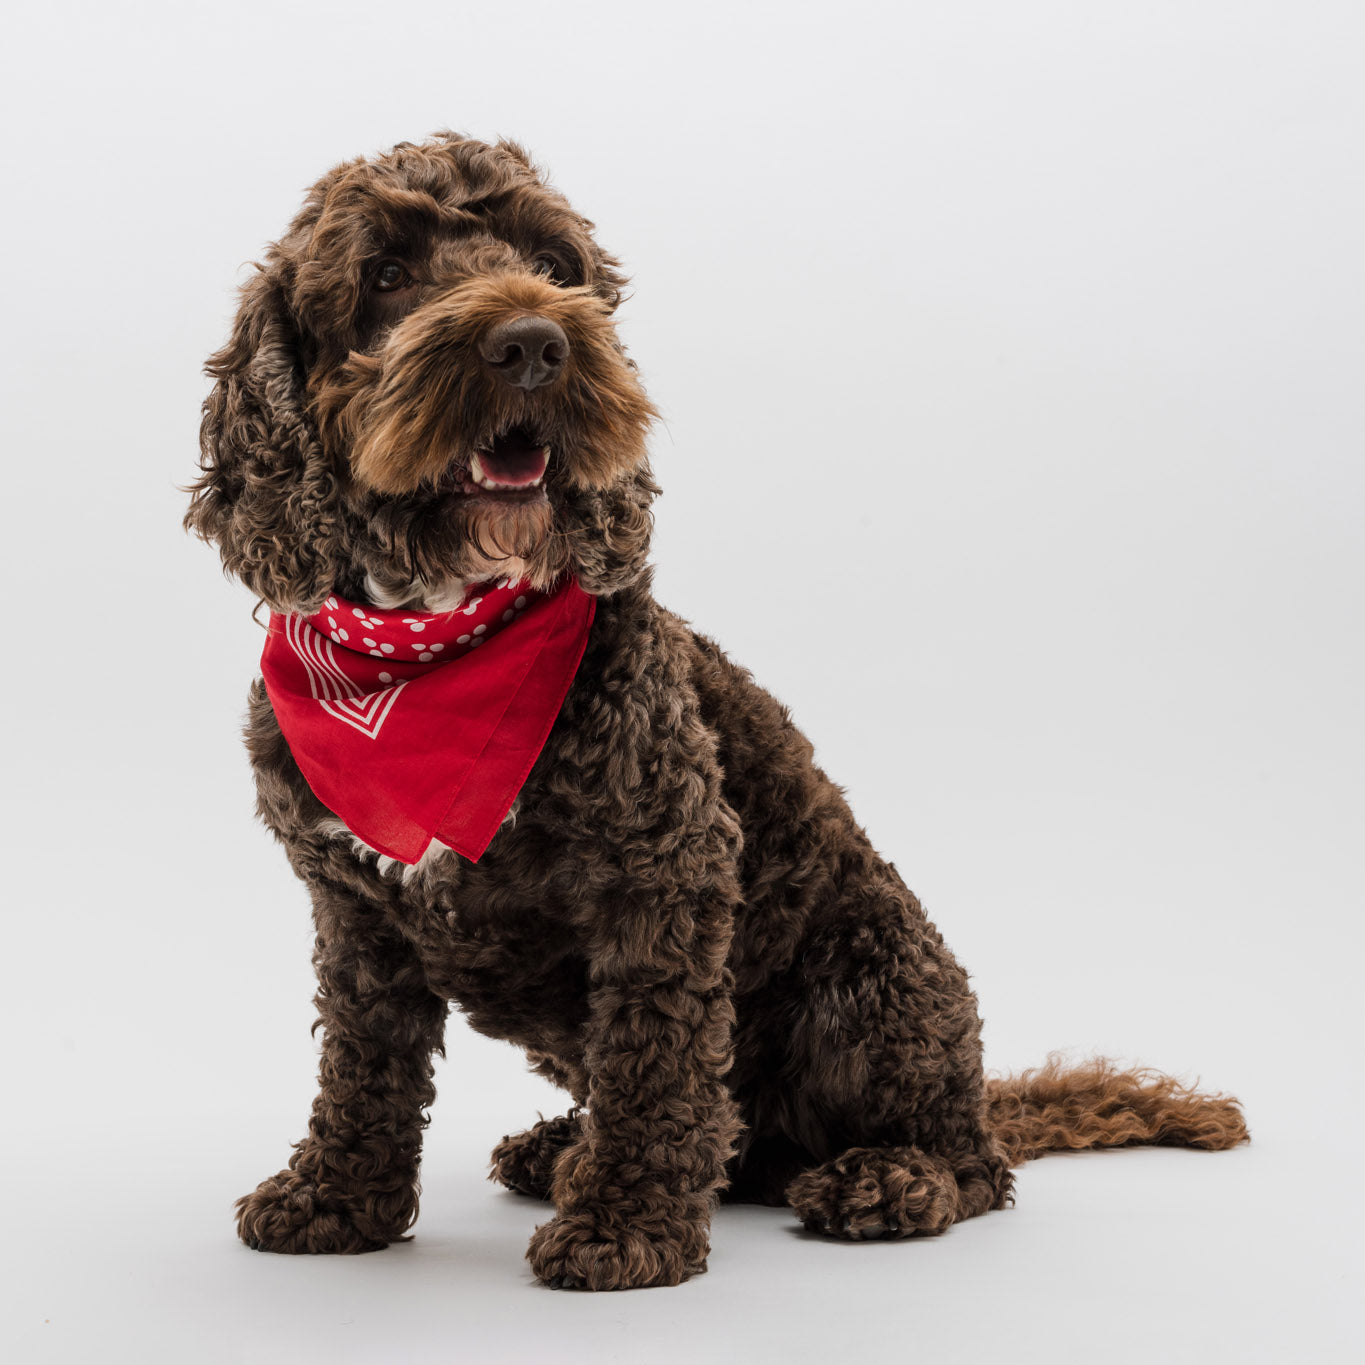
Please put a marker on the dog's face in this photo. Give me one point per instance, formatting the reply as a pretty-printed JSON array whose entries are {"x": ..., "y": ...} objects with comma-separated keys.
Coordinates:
[{"x": 424, "y": 385}]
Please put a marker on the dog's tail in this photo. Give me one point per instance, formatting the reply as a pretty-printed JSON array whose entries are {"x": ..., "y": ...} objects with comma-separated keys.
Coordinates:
[{"x": 1057, "y": 1108}]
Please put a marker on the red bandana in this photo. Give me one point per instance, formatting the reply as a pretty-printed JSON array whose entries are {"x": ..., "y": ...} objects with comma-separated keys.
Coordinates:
[{"x": 415, "y": 726}]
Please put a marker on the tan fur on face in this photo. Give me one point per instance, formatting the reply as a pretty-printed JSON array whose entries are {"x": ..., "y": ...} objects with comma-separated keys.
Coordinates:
[
  {"x": 502, "y": 535},
  {"x": 427, "y": 402}
]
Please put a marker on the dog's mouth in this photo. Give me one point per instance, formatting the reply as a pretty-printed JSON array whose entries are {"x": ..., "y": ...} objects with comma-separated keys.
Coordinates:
[{"x": 508, "y": 468}]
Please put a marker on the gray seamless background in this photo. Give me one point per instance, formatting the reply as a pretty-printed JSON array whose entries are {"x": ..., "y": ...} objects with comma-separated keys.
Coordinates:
[{"x": 1010, "y": 356}]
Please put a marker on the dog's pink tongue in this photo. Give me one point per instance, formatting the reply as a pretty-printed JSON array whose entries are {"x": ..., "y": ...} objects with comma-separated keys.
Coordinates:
[{"x": 514, "y": 461}]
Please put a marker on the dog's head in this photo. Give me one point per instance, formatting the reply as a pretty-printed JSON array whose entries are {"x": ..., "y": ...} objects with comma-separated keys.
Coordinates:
[{"x": 423, "y": 388}]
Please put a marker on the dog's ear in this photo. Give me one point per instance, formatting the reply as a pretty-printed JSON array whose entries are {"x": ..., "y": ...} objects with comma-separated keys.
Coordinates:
[
  {"x": 266, "y": 493},
  {"x": 608, "y": 531}
]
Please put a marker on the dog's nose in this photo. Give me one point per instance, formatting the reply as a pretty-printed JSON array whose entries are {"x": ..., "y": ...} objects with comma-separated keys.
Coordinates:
[{"x": 527, "y": 351}]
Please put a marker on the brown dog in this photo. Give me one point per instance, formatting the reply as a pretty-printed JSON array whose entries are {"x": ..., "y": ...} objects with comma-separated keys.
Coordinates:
[{"x": 682, "y": 924}]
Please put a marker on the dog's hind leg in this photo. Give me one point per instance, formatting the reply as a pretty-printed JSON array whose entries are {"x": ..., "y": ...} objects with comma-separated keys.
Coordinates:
[
  {"x": 525, "y": 1162},
  {"x": 351, "y": 1184},
  {"x": 885, "y": 1050}
]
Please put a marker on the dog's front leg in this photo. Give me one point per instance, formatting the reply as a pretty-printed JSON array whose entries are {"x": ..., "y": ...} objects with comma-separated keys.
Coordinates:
[
  {"x": 351, "y": 1184},
  {"x": 636, "y": 1190}
]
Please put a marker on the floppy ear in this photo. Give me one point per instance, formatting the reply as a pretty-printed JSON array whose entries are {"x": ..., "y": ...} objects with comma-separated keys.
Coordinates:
[{"x": 266, "y": 494}]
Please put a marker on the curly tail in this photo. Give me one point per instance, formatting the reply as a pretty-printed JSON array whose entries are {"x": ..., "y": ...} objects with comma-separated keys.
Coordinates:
[{"x": 1058, "y": 1109}]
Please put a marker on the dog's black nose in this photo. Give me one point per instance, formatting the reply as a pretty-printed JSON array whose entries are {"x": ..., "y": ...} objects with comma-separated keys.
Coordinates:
[{"x": 527, "y": 351}]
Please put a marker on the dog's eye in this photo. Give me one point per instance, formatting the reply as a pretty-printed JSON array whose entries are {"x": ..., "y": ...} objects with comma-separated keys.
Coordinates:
[
  {"x": 391, "y": 275},
  {"x": 546, "y": 265}
]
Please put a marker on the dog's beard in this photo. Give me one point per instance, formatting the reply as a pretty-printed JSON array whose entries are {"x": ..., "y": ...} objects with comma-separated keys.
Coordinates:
[
  {"x": 505, "y": 538},
  {"x": 417, "y": 547}
]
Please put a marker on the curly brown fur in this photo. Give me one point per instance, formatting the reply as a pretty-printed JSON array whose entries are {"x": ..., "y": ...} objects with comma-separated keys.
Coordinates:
[
  {"x": 1058, "y": 1108},
  {"x": 684, "y": 927}
]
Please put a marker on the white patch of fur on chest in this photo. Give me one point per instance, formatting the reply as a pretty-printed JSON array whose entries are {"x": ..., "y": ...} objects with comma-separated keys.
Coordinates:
[
  {"x": 435, "y": 855},
  {"x": 435, "y": 852},
  {"x": 445, "y": 596}
]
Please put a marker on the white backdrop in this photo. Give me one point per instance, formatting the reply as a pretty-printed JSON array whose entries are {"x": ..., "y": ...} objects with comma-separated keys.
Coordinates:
[{"x": 1010, "y": 357}]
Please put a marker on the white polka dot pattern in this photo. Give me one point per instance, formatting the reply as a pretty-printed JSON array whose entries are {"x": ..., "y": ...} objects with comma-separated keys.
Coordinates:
[{"x": 403, "y": 644}]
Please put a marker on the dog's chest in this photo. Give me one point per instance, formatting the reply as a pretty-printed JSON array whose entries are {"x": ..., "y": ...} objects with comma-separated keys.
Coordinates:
[
  {"x": 515, "y": 964},
  {"x": 498, "y": 937}
]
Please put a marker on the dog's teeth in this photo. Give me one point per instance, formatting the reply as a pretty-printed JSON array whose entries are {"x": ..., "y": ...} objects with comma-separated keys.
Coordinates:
[{"x": 478, "y": 474}]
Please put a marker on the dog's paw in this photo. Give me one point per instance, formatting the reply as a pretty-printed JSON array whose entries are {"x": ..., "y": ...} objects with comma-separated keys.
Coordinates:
[
  {"x": 525, "y": 1162},
  {"x": 287, "y": 1214},
  {"x": 580, "y": 1251},
  {"x": 869, "y": 1193}
]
